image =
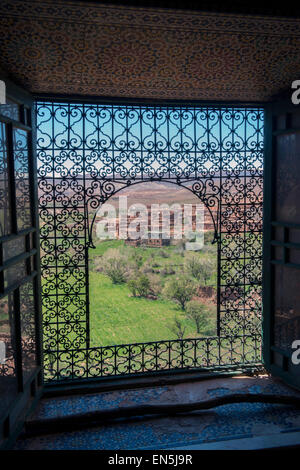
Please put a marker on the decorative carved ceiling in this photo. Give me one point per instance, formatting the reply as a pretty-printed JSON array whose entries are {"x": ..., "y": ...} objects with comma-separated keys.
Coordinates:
[{"x": 71, "y": 47}]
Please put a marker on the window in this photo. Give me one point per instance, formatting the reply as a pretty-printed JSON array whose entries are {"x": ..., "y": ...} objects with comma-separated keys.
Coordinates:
[{"x": 89, "y": 152}]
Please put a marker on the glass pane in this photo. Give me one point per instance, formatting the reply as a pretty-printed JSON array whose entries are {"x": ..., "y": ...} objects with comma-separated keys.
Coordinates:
[
  {"x": 11, "y": 110},
  {"x": 27, "y": 310},
  {"x": 22, "y": 179},
  {"x": 287, "y": 306},
  {"x": 8, "y": 378},
  {"x": 4, "y": 192},
  {"x": 13, "y": 248},
  {"x": 14, "y": 273},
  {"x": 287, "y": 193}
]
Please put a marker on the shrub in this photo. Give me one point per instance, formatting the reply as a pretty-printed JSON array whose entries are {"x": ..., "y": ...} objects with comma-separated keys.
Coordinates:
[
  {"x": 143, "y": 285},
  {"x": 115, "y": 266},
  {"x": 139, "y": 286},
  {"x": 137, "y": 259},
  {"x": 181, "y": 290},
  {"x": 132, "y": 285},
  {"x": 198, "y": 313},
  {"x": 155, "y": 284},
  {"x": 200, "y": 267}
]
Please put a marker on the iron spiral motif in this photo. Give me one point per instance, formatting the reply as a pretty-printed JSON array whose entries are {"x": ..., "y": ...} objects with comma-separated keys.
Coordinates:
[{"x": 89, "y": 152}]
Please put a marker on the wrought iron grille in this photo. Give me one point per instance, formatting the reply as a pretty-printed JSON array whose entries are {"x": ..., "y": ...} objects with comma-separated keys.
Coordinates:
[{"x": 86, "y": 154}]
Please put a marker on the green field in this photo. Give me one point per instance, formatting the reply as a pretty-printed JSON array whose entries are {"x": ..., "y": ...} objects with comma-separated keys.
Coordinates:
[{"x": 117, "y": 317}]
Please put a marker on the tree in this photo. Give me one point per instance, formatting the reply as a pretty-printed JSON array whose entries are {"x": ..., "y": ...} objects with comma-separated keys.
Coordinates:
[
  {"x": 193, "y": 266},
  {"x": 115, "y": 266},
  {"x": 178, "y": 328},
  {"x": 139, "y": 286},
  {"x": 200, "y": 267},
  {"x": 155, "y": 284},
  {"x": 208, "y": 268},
  {"x": 181, "y": 290},
  {"x": 198, "y": 313},
  {"x": 143, "y": 285}
]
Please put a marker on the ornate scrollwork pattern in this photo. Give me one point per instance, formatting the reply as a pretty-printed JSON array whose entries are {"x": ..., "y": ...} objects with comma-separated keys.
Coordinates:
[{"x": 86, "y": 154}]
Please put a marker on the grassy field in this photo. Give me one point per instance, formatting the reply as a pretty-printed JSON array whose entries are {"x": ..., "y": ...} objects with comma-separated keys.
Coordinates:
[{"x": 117, "y": 317}]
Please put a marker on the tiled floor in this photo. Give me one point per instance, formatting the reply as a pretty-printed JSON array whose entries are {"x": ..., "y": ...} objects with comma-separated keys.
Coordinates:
[{"x": 225, "y": 423}]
